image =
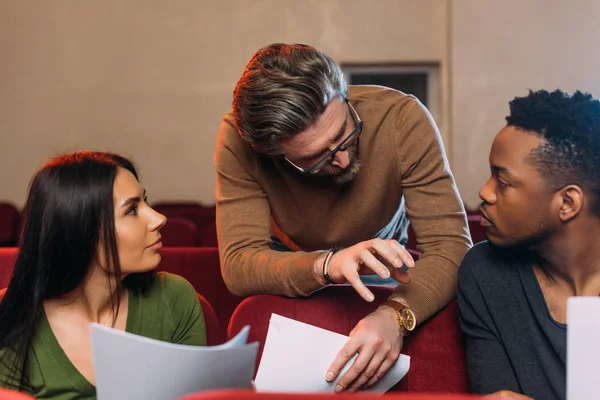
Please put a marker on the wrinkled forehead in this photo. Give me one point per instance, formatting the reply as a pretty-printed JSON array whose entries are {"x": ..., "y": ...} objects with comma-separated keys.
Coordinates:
[{"x": 320, "y": 134}]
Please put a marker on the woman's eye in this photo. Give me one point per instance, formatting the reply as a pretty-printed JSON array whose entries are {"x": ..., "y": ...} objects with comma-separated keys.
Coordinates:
[{"x": 132, "y": 211}]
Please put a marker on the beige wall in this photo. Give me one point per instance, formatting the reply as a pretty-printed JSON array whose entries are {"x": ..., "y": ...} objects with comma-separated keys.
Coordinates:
[
  {"x": 151, "y": 79},
  {"x": 499, "y": 50}
]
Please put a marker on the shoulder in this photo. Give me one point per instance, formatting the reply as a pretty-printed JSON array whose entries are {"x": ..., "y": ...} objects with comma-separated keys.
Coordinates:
[
  {"x": 386, "y": 102},
  {"x": 172, "y": 288},
  {"x": 488, "y": 267},
  {"x": 381, "y": 99},
  {"x": 230, "y": 145},
  {"x": 229, "y": 135}
]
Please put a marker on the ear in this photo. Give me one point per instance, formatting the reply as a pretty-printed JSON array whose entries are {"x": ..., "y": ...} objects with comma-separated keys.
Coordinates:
[{"x": 571, "y": 202}]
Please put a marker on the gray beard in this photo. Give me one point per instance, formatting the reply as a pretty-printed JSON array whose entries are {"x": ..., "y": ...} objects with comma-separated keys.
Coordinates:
[{"x": 341, "y": 176}]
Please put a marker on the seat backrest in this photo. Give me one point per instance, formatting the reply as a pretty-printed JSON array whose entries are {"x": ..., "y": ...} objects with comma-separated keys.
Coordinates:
[
  {"x": 6, "y": 394},
  {"x": 203, "y": 217},
  {"x": 8, "y": 256},
  {"x": 438, "y": 357},
  {"x": 477, "y": 231},
  {"x": 213, "y": 330},
  {"x": 9, "y": 224},
  {"x": 180, "y": 232},
  {"x": 436, "y": 349},
  {"x": 337, "y": 308},
  {"x": 200, "y": 266},
  {"x": 251, "y": 395}
]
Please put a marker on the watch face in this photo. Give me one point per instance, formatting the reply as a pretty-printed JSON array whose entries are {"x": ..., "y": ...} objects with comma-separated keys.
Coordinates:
[{"x": 408, "y": 319}]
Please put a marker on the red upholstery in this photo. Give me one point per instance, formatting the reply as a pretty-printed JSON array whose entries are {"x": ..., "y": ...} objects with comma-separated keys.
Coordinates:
[
  {"x": 180, "y": 232},
  {"x": 8, "y": 256},
  {"x": 200, "y": 266},
  {"x": 477, "y": 231},
  {"x": 6, "y": 394},
  {"x": 203, "y": 217},
  {"x": 9, "y": 224},
  {"x": 437, "y": 353},
  {"x": 213, "y": 331},
  {"x": 250, "y": 395}
]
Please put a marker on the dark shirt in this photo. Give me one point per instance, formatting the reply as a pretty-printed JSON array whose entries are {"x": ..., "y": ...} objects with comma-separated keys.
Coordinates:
[{"x": 512, "y": 341}]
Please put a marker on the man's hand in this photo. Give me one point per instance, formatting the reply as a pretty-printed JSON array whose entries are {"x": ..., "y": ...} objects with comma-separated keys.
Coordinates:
[
  {"x": 507, "y": 394},
  {"x": 378, "y": 340},
  {"x": 375, "y": 256}
]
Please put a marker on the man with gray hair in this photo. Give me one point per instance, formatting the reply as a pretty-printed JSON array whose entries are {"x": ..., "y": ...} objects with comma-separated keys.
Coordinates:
[{"x": 316, "y": 183}]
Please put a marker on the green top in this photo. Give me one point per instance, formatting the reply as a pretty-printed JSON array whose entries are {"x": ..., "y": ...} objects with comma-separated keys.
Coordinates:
[{"x": 169, "y": 311}]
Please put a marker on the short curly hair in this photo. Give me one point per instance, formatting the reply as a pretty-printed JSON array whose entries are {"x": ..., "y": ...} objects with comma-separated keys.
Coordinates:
[
  {"x": 570, "y": 129},
  {"x": 283, "y": 91}
]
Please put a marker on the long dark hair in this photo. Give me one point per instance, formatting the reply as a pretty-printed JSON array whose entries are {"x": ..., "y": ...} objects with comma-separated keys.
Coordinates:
[{"x": 68, "y": 214}]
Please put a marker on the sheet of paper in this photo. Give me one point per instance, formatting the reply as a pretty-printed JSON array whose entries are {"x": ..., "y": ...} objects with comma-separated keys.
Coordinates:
[
  {"x": 583, "y": 347},
  {"x": 132, "y": 367},
  {"x": 296, "y": 357}
]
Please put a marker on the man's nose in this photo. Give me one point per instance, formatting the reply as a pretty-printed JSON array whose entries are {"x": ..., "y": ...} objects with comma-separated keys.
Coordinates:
[{"x": 341, "y": 159}]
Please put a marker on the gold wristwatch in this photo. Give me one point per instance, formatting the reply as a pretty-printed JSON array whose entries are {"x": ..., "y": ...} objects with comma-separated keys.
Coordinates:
[{"x": 406, "y": 317}]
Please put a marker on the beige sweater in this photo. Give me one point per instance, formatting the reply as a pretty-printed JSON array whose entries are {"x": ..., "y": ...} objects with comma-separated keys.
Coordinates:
[{"x": 401, "y": 153}]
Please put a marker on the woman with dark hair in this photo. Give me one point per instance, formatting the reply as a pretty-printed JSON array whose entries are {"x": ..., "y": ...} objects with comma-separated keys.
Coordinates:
[{"x": 88, "y": 251}]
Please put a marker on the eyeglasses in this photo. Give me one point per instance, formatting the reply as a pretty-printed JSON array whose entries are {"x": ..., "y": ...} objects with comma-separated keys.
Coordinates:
[{"x": 343, "y": 146}]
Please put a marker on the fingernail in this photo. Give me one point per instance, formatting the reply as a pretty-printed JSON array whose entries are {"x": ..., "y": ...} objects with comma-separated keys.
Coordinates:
[
  {"x": 397, "y": 262},
  {"x": 329, "y": 376},
  {"x": 339, "y": 388},
  {"x": 385, "y": 273},
  {"x": 370, "y": 298},
  {"x": 411, "y": 262}
]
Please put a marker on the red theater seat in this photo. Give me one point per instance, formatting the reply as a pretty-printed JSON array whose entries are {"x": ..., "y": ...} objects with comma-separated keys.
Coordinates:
[
  {"x": 250, "y": 395},
  {"x": 213, "y": 329},
  {"x": 180, "y": 232},
  {"x": 6, "y": 394},
  {"x": 477, "y": 231},
  {"x": 436, "y": 349},
  {"x": 203, "y": 217},
  {"x": 9, "y": 224},
  {"x": 8, "y": 256},
  {"x": 200, "y": 266}
]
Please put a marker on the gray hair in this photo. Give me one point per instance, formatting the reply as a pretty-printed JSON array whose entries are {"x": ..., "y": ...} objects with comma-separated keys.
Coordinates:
[{"x": 283, "y": 91}]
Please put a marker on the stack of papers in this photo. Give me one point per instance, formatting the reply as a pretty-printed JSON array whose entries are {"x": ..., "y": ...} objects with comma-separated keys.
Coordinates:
[
  {"x": 297, "y": 355},
  {"x": 133, "y": 367},
  {"x": 583, "y": 348}
]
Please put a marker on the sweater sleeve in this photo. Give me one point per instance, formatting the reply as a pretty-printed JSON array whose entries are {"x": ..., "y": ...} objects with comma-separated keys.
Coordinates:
[
  {"x": 434, "y": 209},
  {"x": 185, "y": 311},
  {"x": 488, "y": 365},
  {"x": 248, "y": 264}
]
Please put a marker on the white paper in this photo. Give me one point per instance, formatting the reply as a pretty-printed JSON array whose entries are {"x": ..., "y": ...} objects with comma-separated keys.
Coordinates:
[
  {"x": 133, "y": 367},
  {"x": 296, "y": 357},
  {"x": 583, "y": 347}
]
